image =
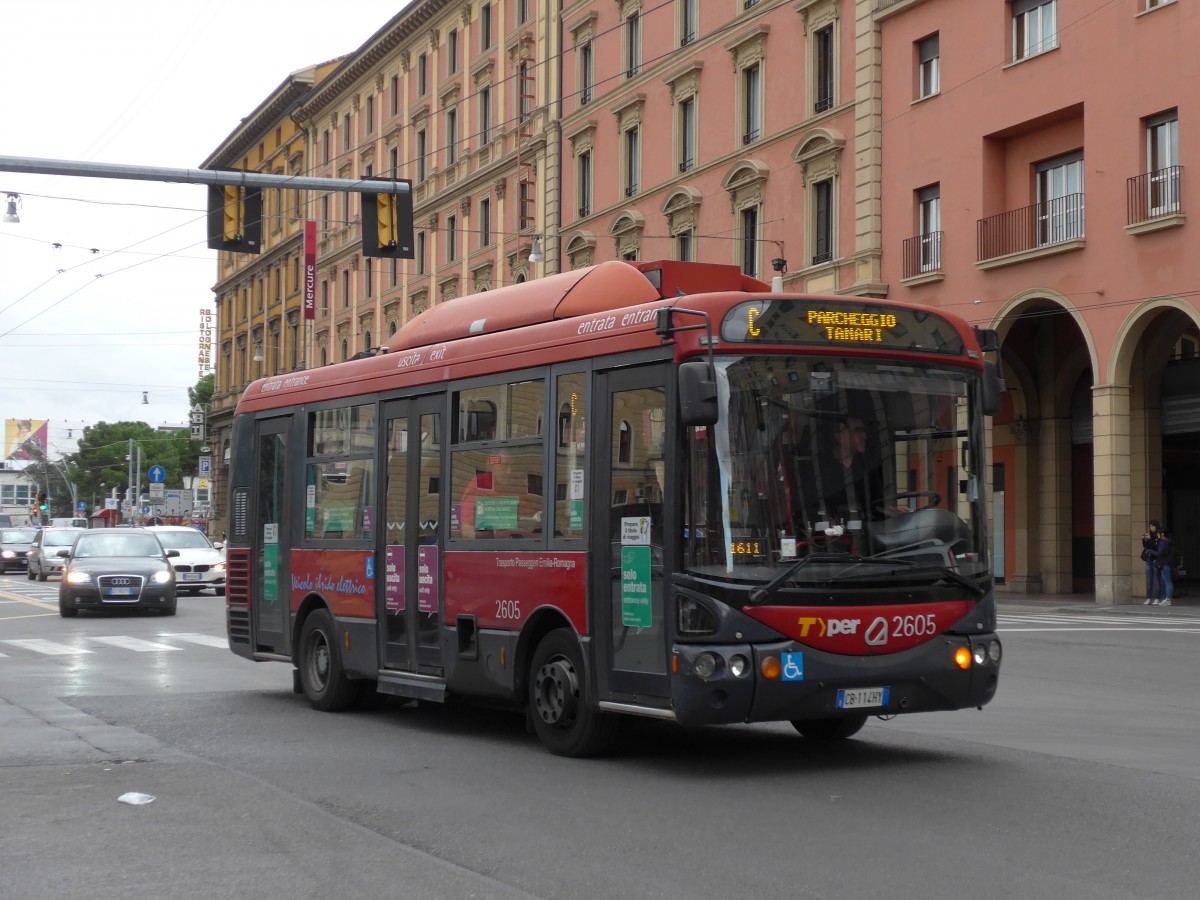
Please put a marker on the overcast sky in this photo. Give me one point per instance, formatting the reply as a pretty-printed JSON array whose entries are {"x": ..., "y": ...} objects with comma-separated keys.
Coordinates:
[{"x": 103, "y": 281}]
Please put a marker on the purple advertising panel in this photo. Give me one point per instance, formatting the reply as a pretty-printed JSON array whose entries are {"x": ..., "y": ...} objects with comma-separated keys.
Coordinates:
[
  {"x": 310, "y": 269},
  {"x": 393, "y": 578},
  {"x": 428, "y": 600}
]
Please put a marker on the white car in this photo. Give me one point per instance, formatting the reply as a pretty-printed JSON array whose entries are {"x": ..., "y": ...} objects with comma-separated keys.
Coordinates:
[{"x": 199, "y": 565}]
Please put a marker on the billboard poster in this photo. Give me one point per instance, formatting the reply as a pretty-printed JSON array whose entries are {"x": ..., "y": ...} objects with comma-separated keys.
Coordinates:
[
  {"x": 25, "y": 438},
  {"x": 310, "y": 269}
]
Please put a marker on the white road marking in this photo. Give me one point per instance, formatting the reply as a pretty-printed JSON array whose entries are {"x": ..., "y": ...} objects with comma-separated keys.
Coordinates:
[
  {"x": 49, "y": 648},
  {"x": 131, "y": 643},
  {"x": 206, "y": 640}
]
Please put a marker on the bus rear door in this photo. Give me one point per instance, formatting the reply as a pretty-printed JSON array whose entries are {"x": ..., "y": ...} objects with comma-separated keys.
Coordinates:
[{"x": 409, "y": 596}]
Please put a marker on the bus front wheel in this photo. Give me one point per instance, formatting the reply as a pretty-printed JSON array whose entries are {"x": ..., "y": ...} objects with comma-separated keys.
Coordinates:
[
  {"x": 829, "y": 729},
  {"x": 321, "y": 674},
  {"x": 561, "y": 716}
]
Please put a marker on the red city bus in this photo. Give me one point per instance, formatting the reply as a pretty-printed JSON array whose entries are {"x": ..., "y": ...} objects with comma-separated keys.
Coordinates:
[{"x": 651, "y": 489}]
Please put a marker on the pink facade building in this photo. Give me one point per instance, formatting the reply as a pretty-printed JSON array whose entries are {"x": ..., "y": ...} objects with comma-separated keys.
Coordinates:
[{"x": 1036, "y": 179}]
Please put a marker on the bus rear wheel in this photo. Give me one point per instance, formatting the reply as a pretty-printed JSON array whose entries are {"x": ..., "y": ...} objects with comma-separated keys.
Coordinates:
[
  {"x": 829, "y": 729},
  {"x": 558, "y": 707},
  {"x": 320, "y": 665}
]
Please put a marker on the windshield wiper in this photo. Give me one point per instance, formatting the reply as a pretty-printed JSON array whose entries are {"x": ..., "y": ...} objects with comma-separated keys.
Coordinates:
[
  {"x": 759, "y": 594},
  {"x": 944, "y": 572}
]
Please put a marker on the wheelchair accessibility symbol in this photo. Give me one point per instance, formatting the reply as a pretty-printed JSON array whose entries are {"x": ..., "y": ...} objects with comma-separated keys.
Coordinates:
[{"x": 793, "y": 666}]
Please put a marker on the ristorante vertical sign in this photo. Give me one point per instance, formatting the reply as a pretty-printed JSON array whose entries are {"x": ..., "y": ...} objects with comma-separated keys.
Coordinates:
[
  {"x": 204, "y": 359},
  {"x": 310, "y": 269}
]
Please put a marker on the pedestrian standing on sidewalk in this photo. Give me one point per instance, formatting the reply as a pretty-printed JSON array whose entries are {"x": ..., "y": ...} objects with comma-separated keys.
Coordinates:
[
  {"x": 1149, "y": 554},
  {"x": 1162, "y": 563}
]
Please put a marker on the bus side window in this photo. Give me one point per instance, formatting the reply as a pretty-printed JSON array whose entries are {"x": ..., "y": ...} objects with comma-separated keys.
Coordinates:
[{"x": 569, "y": 454}]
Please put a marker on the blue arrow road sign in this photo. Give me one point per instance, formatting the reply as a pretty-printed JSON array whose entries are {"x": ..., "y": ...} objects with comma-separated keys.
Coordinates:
[
  {"x": 157, "y": 474},
  {"x": 145, "y": 510}
]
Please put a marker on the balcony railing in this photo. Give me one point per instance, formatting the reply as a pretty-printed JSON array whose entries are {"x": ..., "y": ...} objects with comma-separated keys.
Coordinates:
[
  {"x": 686, "y": 165},
  {"x": 1154, "y": 195},
  {"x": 1040, "y": 225},
  {"x": 923, "y": 254}
]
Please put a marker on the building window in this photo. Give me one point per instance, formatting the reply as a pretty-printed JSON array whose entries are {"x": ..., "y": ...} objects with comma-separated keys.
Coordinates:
[
  {"x": 347, "y": 143},
  {"x": 485, "y": 222},
  {"x": 485, "y": 115},
  {"x": 452, "y": 137},
  {"x": 421, "y": 154},
  {"x": 370, "y": 111},
  {"x": 369, "y": 275},
  {"x": 522, "y": 11},
  {"x": 929, "y": 227},
  {"x": 422, "y": 75},
  {"x": 585, "y": 74},
  {"x": 394, "y": 96},
  {"x": 1162, "y": 161},
  {"x": 324, "y": 298},
  {"x": 633, "y": 41},
  {"x": 524, "y": 97},
  {"x": 345, "y": 288},
  {"x": 452, "y": 51},
  {"x": 485, "y": 26},
  {"x": 631, "y": 159},
  {"x": 685, "y": 246},
  {"x": 823, "y": 69},
  {"x": 687, "y": 134},
  {"x": 583, "y": 182},
  {"x": 395, "y": 271},
  {"x": 1035, "y": 27},
  {"x": 394, "y": 160},
  {"x": 822, "y": 222},
  {"x": 751, "y": 105},
  {"x": 420, "y": 254},
  {"x": 929, "y": 80},
  {"x": 451, "y": 238},
  {"x": 687, "y": 21},
  {"x": 1060, "y": 199},
  {"x": 325, "y": 146},
  {"x": 324, "y": 213},
  {"x": 749, "y": 236}
]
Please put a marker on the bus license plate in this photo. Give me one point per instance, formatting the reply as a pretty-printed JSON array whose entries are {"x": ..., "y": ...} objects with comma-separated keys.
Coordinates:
[
  {"x": 120, "y": 592},
  {"x": 862, "y": 698},
  {"x": 192, "y": 576}
]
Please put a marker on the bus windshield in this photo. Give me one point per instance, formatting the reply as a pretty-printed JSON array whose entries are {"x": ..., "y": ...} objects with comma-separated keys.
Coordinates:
[{"x": 823, "y": 468}]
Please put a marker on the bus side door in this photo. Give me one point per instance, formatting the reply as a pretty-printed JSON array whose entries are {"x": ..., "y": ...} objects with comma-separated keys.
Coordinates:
[
  {"x": 409, "y": 601},
  {"x": 270, "y": 535},
  {"x": 634, "y": 507}
]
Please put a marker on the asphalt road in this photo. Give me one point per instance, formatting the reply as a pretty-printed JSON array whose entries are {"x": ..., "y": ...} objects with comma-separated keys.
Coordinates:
[{"x": 1079, "y": 781}]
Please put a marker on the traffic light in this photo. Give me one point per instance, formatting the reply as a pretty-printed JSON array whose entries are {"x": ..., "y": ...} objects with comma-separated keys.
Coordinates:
[
  {"x": 234, "y": 218},
  {"x": 387, "y": 223},
  {"x": 41, "y": 501}
]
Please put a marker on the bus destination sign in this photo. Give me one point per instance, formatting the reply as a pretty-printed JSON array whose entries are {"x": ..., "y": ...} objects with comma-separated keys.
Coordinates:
[{"x": 824, "y": 321}]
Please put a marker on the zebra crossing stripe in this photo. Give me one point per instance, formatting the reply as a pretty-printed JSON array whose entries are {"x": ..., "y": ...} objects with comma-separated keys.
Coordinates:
[
  {"x": 49, "y": 648},
  {"x": 132, "y": 643},
  {"x": 205, "y": 640}
]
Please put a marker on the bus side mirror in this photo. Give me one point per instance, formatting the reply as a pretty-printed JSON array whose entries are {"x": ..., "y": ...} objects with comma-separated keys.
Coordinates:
[
  {"x": 697, "y": 394},
  {"x": 994, "y": 388}
]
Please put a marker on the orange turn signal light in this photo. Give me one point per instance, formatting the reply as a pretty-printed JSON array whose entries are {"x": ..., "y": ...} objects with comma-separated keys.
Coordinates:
[
  {"x": 962, "y": 658},
  {"x": 771, "y": 668}
]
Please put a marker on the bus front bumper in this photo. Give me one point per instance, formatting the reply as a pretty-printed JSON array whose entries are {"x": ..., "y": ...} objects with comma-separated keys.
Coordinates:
[{"x": 814, "y": 684}]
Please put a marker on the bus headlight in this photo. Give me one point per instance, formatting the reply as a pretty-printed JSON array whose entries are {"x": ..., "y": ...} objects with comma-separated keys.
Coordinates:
[
  {"x": 980, "y": 653},
  {"x": 994, "y": 651},
  {"x": 738, "y": 665},
  {"x": 705, "y": 664}
]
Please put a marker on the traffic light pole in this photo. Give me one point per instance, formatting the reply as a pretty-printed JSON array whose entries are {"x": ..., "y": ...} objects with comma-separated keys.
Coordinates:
[{"x": 236, "y": 177}]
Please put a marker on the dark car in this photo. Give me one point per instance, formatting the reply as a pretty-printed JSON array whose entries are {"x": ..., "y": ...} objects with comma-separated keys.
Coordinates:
[
  {"x": 14, "y": 547},
  {"x": 109, "y": 569},
  {"x": 43, "y": 555}
]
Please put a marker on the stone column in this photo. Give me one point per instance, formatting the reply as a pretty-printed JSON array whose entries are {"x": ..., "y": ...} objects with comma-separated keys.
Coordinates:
[
  {"x": 1054, "y": 510},
  {"x": 1114, "y": 536}
]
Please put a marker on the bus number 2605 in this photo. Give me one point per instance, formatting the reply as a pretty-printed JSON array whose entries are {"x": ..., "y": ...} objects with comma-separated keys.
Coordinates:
[{"x": 508, "y": 609}]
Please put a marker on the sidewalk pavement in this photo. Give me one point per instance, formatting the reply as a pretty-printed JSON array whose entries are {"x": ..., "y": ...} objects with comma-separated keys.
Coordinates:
[{"x": 1084, "y": 603}]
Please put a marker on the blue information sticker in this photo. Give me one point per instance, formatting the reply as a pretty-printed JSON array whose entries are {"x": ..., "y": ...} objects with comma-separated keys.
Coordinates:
[
  {"x": 793, "y": 666},
  {"x": 370, "y": 566}
]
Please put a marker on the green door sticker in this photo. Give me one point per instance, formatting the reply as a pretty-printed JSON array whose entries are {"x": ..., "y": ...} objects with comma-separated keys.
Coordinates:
[
  {"x": 635, "y": 587},
  {"x": 270, "y": 573},
  {"x": 496, "y": 512}
]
